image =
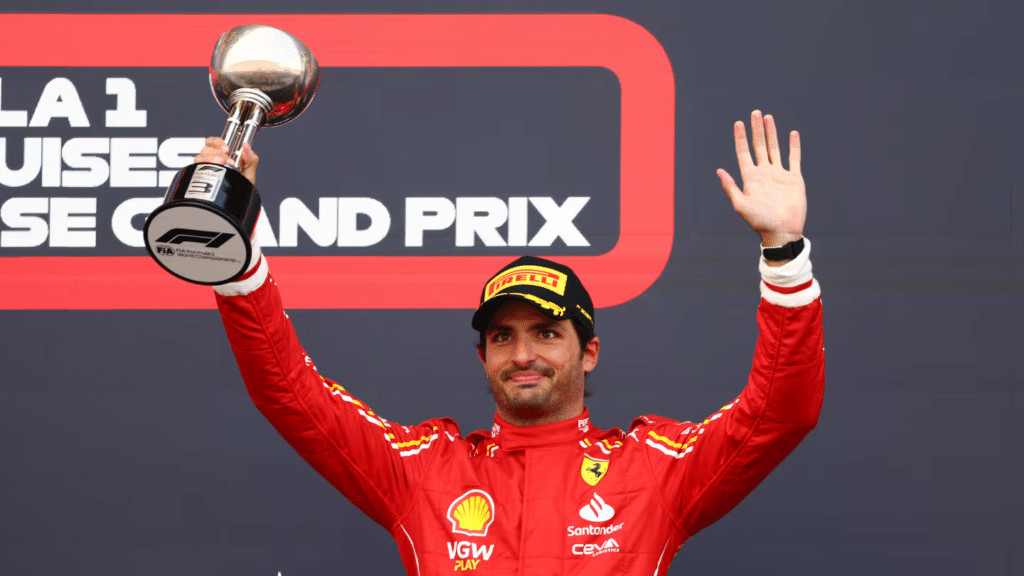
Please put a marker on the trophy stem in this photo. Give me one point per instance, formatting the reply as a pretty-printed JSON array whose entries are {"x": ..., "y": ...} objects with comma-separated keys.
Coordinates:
[
  {"x": 249, "y": 109},
  {"x": 252, "y": 123},
  {"x": 230, "y": 134}
]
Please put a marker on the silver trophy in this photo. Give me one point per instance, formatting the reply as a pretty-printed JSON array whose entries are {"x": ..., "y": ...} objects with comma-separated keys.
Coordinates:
[{"x": 202, "y": 233}]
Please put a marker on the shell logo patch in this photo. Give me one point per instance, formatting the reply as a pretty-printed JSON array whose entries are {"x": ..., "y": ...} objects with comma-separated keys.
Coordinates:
[
  {"x": 593, "y": 470},
  {"x": 472, "y": 513}
]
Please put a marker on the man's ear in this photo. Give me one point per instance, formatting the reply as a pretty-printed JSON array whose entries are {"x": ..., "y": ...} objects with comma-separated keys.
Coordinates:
[
  {"x": 481, "y": 352},
  {"x": 590, "y": 354}
]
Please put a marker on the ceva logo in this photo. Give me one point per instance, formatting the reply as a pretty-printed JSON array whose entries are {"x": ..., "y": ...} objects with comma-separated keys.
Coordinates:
[
  {"x": 610, "y": 545},
  {"x": 597, "y": 510}
]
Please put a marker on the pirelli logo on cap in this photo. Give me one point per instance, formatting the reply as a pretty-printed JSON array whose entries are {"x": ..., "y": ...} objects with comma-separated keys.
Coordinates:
[{"x": 527, "y": 276}]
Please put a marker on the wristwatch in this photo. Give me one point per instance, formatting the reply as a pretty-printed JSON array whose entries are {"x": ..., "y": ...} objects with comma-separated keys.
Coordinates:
[{"x": 784, "y": 252}]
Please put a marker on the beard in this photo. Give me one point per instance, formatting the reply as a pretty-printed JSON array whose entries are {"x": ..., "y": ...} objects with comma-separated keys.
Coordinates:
[{"x": 541, "y": 399}]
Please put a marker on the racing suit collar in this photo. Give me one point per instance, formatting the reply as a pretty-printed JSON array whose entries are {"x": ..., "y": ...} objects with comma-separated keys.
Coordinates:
[{"x": 512, "y": 437}]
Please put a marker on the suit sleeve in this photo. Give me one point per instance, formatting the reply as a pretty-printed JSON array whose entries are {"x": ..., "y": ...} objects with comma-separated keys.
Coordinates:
[
  {"x": 710, "y": 466},
  {"x": 376, "y": 464}
]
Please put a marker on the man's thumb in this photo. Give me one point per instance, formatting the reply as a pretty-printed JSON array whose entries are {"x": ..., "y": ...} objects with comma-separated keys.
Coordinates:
[{"x": 249, "y": 162}]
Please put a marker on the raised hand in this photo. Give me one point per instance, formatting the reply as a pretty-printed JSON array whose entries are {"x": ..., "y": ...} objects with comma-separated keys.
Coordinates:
[
  {"x": 773, "y": 200},
  {"x": 215, "y": 151}
]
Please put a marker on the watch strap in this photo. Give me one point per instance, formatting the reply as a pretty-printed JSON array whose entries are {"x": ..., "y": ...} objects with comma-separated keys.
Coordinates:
[{"x": 784, "y": 252}]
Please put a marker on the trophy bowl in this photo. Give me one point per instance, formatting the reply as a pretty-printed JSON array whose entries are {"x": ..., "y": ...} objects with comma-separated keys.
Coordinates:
[{"x": 257, "y": 57}]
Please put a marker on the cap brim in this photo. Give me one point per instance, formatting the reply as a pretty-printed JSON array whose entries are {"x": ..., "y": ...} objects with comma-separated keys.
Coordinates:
[{"x": 483, "y": 314}]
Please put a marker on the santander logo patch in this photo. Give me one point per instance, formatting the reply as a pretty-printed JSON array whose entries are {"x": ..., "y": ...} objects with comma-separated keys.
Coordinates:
[{"x": 597, "y": 510}]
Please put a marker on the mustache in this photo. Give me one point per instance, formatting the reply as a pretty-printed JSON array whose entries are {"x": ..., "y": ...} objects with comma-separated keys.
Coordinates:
[{"x": 533, "y": 367}]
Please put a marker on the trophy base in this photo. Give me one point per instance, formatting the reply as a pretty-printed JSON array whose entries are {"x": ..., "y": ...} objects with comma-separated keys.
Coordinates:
[{"x": 202, "y": 233}]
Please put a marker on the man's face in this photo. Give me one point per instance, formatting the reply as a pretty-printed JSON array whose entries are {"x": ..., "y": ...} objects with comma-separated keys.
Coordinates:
[{"x": 534, "y": 365}]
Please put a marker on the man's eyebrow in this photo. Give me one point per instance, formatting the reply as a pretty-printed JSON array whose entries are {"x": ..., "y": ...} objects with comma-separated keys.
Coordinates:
[
  {"x": 548, "y": 324},
  {"x": 551, "y": 324}
]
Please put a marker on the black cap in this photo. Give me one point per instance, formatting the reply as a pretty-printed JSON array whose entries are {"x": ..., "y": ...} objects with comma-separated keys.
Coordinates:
[{"x": 551, "y": 287}]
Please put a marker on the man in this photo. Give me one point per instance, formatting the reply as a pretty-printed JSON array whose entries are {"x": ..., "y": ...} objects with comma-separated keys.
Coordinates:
[{"x": 546, "y": 491}]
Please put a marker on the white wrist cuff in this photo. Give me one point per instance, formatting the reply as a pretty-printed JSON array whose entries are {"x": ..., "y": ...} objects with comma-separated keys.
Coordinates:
[
  {"x": 791, "y": 284},
  {"x": 251, "y": 280}
]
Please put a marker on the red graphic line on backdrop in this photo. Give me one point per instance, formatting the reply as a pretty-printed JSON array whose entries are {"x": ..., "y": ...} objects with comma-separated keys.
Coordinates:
[{"x": 148, "y": 40}]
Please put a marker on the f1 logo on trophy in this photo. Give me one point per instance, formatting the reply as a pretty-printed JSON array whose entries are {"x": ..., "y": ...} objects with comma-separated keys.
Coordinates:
[{"x": 202, "y": 233}]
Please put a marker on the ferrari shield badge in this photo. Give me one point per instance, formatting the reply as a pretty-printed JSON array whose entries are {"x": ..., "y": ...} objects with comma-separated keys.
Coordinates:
[{"x": 593, "y": 470}]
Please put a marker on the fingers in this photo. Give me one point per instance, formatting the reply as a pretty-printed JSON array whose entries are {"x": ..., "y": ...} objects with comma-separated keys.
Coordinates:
[
  {"x": 766, "y": 142},
  {"x": 757, "y": 132},
  {"x": 215, "y": 151},
  {"x": 739, "y": 132},
  {"x": 729, "y": 187},
  {"x": 774, "y": 156},
  {"x": 248, "y": 163},
  {"x": 249, "y": 156},
  {"x": 794, "y": 151}
]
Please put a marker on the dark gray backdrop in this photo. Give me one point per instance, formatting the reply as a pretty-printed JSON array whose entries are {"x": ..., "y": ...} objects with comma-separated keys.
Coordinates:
[{"x": 128, "y": 445}]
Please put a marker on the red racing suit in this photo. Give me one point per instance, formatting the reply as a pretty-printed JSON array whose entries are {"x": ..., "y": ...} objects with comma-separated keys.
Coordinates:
[{"x": 566, "y": 498}]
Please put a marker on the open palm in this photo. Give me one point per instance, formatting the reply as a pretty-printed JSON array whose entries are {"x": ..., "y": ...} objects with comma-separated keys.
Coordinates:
[{"x": 773, "y": 200}]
